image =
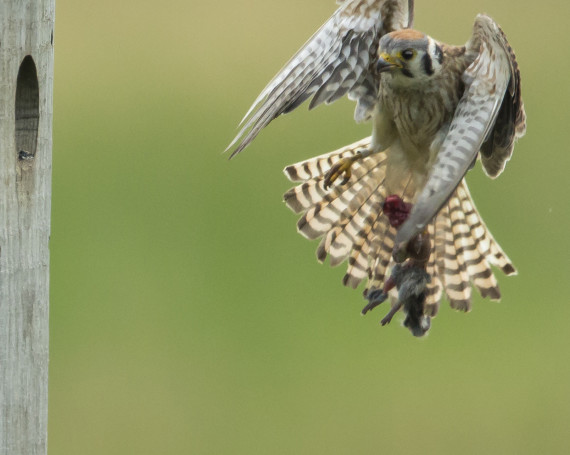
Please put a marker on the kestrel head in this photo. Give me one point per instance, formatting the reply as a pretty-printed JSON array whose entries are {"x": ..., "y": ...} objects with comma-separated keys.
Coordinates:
[{"x": 409, "y": 56}]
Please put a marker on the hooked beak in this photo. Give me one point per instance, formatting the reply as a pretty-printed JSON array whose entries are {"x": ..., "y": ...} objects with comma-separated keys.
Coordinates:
[{"x": 386, "y": 63}]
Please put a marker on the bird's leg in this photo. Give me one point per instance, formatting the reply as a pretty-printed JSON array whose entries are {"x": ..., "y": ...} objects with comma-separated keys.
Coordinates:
[
  {"x": 343, "y": 166},
  {"x": 374, "y": 302},
  {"x": 391, "y": 313},
  {"x": 376, "y": 297}
]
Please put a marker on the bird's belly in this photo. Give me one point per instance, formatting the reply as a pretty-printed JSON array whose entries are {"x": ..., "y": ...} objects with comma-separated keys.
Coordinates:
[
  {"x": 407, "y": 169},
  {"x": 418, "y": 123},
  {"x": 418, "y": 126}
]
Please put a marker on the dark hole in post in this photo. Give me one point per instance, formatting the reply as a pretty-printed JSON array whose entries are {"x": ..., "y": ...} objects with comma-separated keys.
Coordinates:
[{"x": 27, "y": 109}]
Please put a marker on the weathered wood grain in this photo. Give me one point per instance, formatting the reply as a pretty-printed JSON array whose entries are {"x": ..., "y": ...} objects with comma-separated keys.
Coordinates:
[{"x": 26, "y": 100}]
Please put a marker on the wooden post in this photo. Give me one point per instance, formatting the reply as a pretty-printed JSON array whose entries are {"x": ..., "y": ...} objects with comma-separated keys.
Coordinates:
[{"x": 26, "y": 99}]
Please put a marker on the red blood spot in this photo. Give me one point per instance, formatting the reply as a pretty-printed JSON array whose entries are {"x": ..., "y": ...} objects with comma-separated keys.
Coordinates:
[{"x": 396, "y": 210}]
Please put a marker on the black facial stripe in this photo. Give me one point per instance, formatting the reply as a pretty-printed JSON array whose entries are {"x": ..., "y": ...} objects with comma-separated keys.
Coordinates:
[
  {"x": 407, "y": 73},
  {"x": 428, "y": 67},
  {"x": 438, "y": 54}
]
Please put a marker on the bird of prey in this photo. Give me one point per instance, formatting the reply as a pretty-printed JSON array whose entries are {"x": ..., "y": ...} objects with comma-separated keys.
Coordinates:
[{"x": 435, "y": 109}]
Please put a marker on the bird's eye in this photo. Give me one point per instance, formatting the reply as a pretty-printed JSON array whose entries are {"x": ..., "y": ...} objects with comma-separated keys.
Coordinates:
[{"x": 408, "y": 54}]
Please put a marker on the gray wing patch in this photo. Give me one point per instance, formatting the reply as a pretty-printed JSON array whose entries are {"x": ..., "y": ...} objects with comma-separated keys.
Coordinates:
[
  {"x": 486, "y": 81},
  {"x": 349, "y": 70}
]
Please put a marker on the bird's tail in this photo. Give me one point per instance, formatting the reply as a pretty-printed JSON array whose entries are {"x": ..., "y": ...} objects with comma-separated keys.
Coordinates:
[{"x": 350, "y": 222}]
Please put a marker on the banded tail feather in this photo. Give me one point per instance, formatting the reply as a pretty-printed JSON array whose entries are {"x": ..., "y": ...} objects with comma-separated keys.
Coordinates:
[{"x": 350, "y": 222}]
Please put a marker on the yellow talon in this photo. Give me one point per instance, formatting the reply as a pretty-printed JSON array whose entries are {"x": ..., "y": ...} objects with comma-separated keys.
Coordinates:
[{"x": 343, "y": 166}]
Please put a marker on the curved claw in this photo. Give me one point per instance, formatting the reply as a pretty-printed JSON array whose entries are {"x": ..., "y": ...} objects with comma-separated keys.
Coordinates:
[{"x": 339, "y": 168}]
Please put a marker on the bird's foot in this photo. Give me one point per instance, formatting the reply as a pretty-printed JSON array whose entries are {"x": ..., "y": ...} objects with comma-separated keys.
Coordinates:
[
  {"x": 375, "y": 298},
  {"x": 391, "y": 313},
  {"x": 342, "y": 166}
]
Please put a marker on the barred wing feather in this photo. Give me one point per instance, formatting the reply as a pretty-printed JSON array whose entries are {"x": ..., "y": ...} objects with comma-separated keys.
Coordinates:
[{"x": 337, "y": 60}]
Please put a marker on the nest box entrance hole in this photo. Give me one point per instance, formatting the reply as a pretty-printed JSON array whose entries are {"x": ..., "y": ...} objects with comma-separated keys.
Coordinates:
[{"x": 27, "y": 109}]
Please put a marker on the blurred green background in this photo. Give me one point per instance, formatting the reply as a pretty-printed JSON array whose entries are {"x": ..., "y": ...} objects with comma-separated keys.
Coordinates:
[{"x": 189, "y": 317}]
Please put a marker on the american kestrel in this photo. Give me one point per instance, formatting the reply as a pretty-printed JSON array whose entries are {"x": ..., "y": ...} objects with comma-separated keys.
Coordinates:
[{"x": 434, "y": 109}]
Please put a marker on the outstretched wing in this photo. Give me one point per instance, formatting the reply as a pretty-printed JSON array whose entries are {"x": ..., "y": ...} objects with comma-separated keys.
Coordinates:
[
  {"x": 510, "y": 124},
  {"x": 337, "y": 60},
  {"x": 492, "y": 84}
]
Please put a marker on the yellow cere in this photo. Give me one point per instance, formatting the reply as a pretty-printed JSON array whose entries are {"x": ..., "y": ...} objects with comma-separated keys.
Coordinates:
[{"x": 390, "y": 59}]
